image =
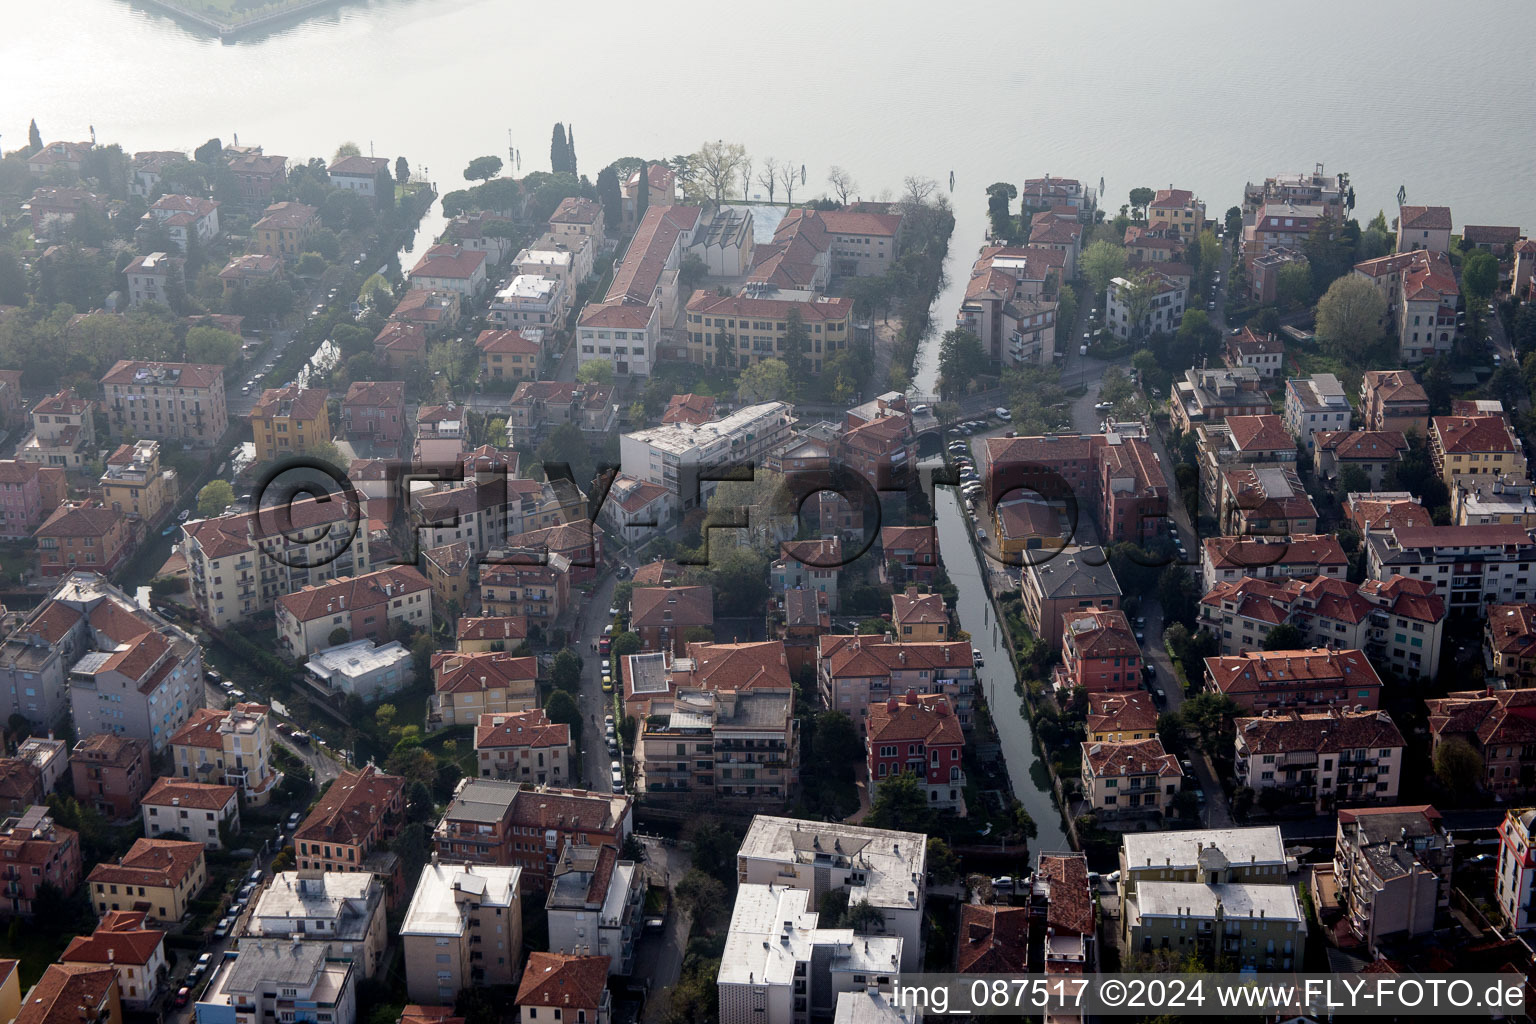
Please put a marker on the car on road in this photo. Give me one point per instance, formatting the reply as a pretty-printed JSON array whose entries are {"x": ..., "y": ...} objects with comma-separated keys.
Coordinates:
[
  {"x": 1003, "y": 882},
  {"x": 919, "y": 410},
  {"x": 255, "y": 877},
  {"x": 1003, "y": 414},
  {"x": 1151, "y": 671},
  {"x": 245, "y": 389},
  {"x": 604, "y": 644},
  {"x": 976, "y": 657},
  {"x": 655, "y": 924},
  {"x": 605, "y": 666},
  {"x": 616, "y": 771},
  {"x": 237, "y": 694},
  {"x": 182, "y": 995},
  {"x": 1141, "y": 637},
  {"x": 1189, "y": 769},
  {"x": 226, "y": 686},
  {"x": 1103, "y": 406},
  {"x": 608, "y": 720},
  {"x": 1159, "y": 696},
  {"x": 623, "y": 572},
  {"x": 1211, "y": 306},
  {"x": 293, "y": 821},
  {"x": 222, "y": 930},
  {"x": 204, "y": 960},
  {"x": 607, "y": 683}
]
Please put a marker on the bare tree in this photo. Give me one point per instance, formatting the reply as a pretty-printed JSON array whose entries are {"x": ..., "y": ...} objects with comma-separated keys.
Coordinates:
[
  {"x": 788, "y": 177},
  {"x": 918, "y": 189},
  {"x": 715, "y": 168},
  {"x": 842, "y": 183},
  {"x": 769, "y": 178},
  {"x": 746, "y": 178}
]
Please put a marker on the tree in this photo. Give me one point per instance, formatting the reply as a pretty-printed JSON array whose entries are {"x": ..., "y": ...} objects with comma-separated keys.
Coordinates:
[
  {"x": 570, "y": 148},
  {"x": 560, "y": 151},
  {"x": 209, "y": 152},
  {"x": 565, "y": 672},
  {"x": 402, "y": 171},
  {"x": 714, "y": 169},
  {"x": 1209, "y": 716},
  {"x": 1352, "y": 479},
  {"x": 326, "y": 451},
  {"x": 610, "y": 195},
  {"x": 633, "y": 849},
  {"x": 339, "y": 635},
  {"x": 999, "y": 195},
  {"x": 34, "y": 138},
  {"x": 787, "y": 178},
  {"x": 842, "y": 183},
  {"x": 643, "y": 190},
  {"x": 1103, "y": 261},
  {"x": 346, "y": 149},
  {"x": 1349, "y": 317},
  {"x": 900, "y": 803},
  {"x": 797, "y": 343},
  {"x": 625, "y": 644},
  {"x": 1284, "y": 637},
  {"x": 765, "y": 381},
  {"x": 943, "y": 865},
  {"x": 1479, "y": 277},
  {"x": 702, "y": 898},
  {"x": 1142, "y": 198},
  {"x": 692, "y": 271},
  {"x": 1458, "y": 767},
  {"x": 961, "y": 358},
  {"x": 412, "y": 762},
  {"x": 1294, "y": 285},
  {"x": 13, "y": 280},
  {"x": 835, "y": 742},
  {"x": 562, "y": 709},
  {"x": 768, "y": 177},
  {"x": 1234, "y": 222},
  {"x": 863, "y": 918},
  {"x": 483, "y": 168},
  {"x": 214, "y": 498},
  {"x": 596, "y": 371},
  {"x": 1138, "y": 300}
]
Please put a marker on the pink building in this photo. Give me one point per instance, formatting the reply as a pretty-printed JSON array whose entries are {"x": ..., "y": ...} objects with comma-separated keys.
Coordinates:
[{"x": 20, "y": 499}]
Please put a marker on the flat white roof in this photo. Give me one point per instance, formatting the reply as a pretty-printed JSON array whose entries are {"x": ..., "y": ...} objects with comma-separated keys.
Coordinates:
[
  {"x": 1260, "y": 844},
  {"x": 527, "y": 286},
  {"x": 434, "y": 908},
  {"x": 358, "y": 658},
  {"x": 1236, "y": 899},
  {"x": 894, "y": 863},
  {"x": 771, "y": 931}
]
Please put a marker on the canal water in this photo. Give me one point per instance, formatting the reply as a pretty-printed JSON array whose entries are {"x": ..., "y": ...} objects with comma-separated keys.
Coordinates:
[{"x": 1025, "y": 770}]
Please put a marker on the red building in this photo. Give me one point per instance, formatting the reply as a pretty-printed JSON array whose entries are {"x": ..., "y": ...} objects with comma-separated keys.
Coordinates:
[
  {"x": 918, "y": 733},
  {"x": 880, "y": 450},
  {"x": 1053, "y": 466},
  {"x": 1319, "y": 677},
  {"x": 1133, "y": 493},
  {"x": 374, "y": 411},
  {"x": 1099, "y": 652},
  {"x": 21, "y": 501},
  {"x": 914, "y": 548},
  {"x": 34, "y": 851},
  {"x": 78, "y": 536},
  {"x": 111, "y": 773}
]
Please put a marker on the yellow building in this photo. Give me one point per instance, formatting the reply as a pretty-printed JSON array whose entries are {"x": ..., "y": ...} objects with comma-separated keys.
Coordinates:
[
  {"x": 10, "y": 988},
  {"x": 284, "y": 229},
  {"x": 289, "y": 421},
  {"x": 231, "y": 747},
  {"x": 919, "y": 617},
  {"x": 1251, "y": 926},
  {"x": 1176, "y": 211},
  {"x": 1122, "y": 717},
  {"x": 1484, "y": 446},
  {"x": 134, "y": 483},
  {"x": 1028, "y": 524},
  {"x": 734, "y": 330},
  {"x": 447, "y": 569},
  {"x": 158, "y": 876}
]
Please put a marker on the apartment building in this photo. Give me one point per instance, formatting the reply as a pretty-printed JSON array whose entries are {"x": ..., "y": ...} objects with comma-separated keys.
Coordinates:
[
  {"x": 450, "y": 268},
  {"x": 1373, "y": 452},
  {"x": 341, "y": 912},
  {"x": 1256, "y": 927},
  {"x": 1010, "y": 302},
  {"x": 289, "y": 421},
  {"x": 1393, "y": 865},
  {"x": 375, "y": 606},
  {"x": 780, "y": 965},
  {"x": 538, "y": 594},
  {"x": 201, "y": 811},
  {"x": 625, "y": 334},
  {"x": 349, "y": 829},
  {"x": 63, "y": 432},
  {"x": 231, "y": 748},
  {"x": 1516, "y": 870},
  {"x": 1478, "y": 500},
  {"x": 266, "y": 978},
  {"x": 1470, "y": 566},
  {"x": 1424, "y": 228},
  {"x": 884, "y": 868},
  {"x": 374, "y": 412},
  {"x": 739, "y": 331},
  {"x": 1229, "y": 559},
  {"x": 751, "y": 733},
  {"x": 284, "y": 229},
  {"x": 1253, "y": 855},
  {"x": 509, "y": 354},
  {"x": 1238, "y": 441},
  {"x": 158, "y": 876},
  {"x": 1331, "y": 758},
  {"x": 538, "y": 406},
  {"x": 856, "y": 672},
  {"x": 1160, "y": 314},
  {"x": 1099, "y": 653},
  {"x": 83, "y": 535},
  {"x": 920, "y": 734},
  {"x": 35, "y": 851},
  {"x": 1121, "y": 716},
  {"x": 1075, "y": 580},
  {"x": 1212, "y": 395},
  {"x": 154, "y": 278},
  {"x": 466, "y": 686},
  {"x": 165, "y": 401},
  {"x": 1264, "y": 272},
  {"x": 1495, "y": 724},
  {"x": 1315, "y": 403},
  {"x": 1393, "y": 400},
  {"x": 913, "y": 548},
  {"x": 1475, "y": 446},
  {"x": 1136, "y": 778},
  {"x": 110, "y": 773},
  {"x": 1421, "y": 293},
  {"x": 136, "y": 953},
  {"x": 1264, "y": 353},
  {"x": 595, "y": 905},
  {"x": 463, "y": 929},
  {"x": 1509, "y": 645},
  {"x": 1265, "y": 501},
  {"x": 1315, "y": 678},
  {"x": 679, "y": 456},
  {"x": 241, "y": 563}
]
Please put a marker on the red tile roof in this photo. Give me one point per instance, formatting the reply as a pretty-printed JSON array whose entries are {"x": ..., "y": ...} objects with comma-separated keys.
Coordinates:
[
  {"x": 449, "y": 261},
  {"x": 675, "y": 607},
  {"x": 1303, "y": 549},
  {"x": 912, "y": 608},
  {"x": 1257, "y": 671},
  {"x": 64, "y": 989},
  {"x": 524, "y": 729},
  {"x": 1480, "y": 434},
  {"x": 815, "y": 311},
  {"x": 1323, "y": 732},
  {"x": 689, "y": 408},
  {"x": 992, "y": 940},
  {"x": 375, "y": 393},
  {"x": 496, "y": 627},
  {"x": 1425, "y": 218},
  {"x": 1362, "y": 445},
  {"x": 164, "y": 863},
  {"x": 286, "y": 217},
  {"x": 454, "y": 672},
  {"x": 120, "y": 938},
  {"x": 576, "y": 210},
  {"x": 291, "y": 403},
  {"x": 201, "y": 796},
  {"x": 926, "y": 717},
  {"x": 558, "y": 979},
  {"x": 360, "y": 166},
  {"x": 1125, "y": 711},
  {"x": 636, "y": 276},
  {"x": 1259, "y": 433},
  {"x": 353, "y": 593},
  {"x": 1070, "y": 909},
  {"x": 1512, "y": 629},
  {"x": 353, "y": 808},
  {"x": 619, "y": 315},
  {"x": 1141, "y": 757}
]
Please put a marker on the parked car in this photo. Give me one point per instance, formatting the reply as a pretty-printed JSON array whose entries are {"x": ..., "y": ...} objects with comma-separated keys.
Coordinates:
[
  {"x": 182, "y": 995},
  {"x": 618, "y": 778},
  {"x": 204, "y": 960},
  {"x": 254, "y": 877},
  {"x": 293, "y": 821}
]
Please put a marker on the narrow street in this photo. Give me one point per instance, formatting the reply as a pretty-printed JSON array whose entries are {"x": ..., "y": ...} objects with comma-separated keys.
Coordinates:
[{"x": 591, "y": 619}]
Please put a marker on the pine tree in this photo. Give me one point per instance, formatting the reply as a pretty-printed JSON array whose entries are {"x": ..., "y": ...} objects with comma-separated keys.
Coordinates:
[
  {"x": 643, "y": 193},
  {"x": 34, "y": 138},
  {"x": 402, "y": 171},
  {"x": 609, "y": 193},
  {"x": 570, "y": 148},
  {"x": 559, "y": 157}
]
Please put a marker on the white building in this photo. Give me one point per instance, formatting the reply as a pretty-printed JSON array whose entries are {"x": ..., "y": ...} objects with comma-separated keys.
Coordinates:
[
  {"x": 529, "y": 301},
  {"x": 595, "y": 905},
  {"x": 152, "y": 278},
  {"x": 184, "y": 218},
  {"x": 636, "y": 510},
  {"x": 268, "y": 978},
  {"x": 192, "y": 810},
  {"x": 673, "y": 454},
  {"x": 340, "y": 911},
  {"x": 359, "y": 174},
  {"x": 1315, "y": 403},
  {"x": 1516, "y": 871},
  {"x": 623, "y": 333},
  {"x": 1163, "y": 313},
  {"x": 780, "y": 967},
  {"x": 881, "y": 867},
  {"x": 361, "y": 668},
  {"x": 463, "y": 929}
]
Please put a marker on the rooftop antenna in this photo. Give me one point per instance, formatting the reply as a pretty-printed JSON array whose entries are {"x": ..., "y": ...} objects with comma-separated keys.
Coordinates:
[{"x": 370, "y": 149}]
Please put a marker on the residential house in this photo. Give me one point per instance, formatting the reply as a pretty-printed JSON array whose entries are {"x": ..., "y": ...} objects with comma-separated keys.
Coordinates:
[
  {"x": 147, "y": 168},
  {"x": 508, "y": 355},
  {"x": 250, "y": 987},
  {"x": 919, "y": 617},
  {"x": 361, "y": 668},
  {"x": 913, "y": 548},
  {"x": 256, "y": 176},
  {"x": 1282, "y": 224},
  {"x": 1394, "y": 870},
  {"x": 1462, "y": 446},
  {"x": 373, "y": 412},
  {"x": 1099, "y": 653},
  {"x": 48, "y": 757},
  {"x": 1071, "y": 935},
  {"x": 637, "y": 510},
  {"x": 349, "y": 829},
  {"x": 1228, "y": 559},
  {"x": 1478, "y": 500},
  {"x": 806, "y": 619},
  {"x": 1160, "y": 314},
  {"x": 1496, "y": 724},
  {"x": 201, "y": 811},
  {"x": 1509, "y": 645},
  {"x": 1132, "y": 489},
  {"x": 530, "y": 302},
  {"x": 1129, "y": 778},
  {"x": 110, "y": 773},
  {"x": 523, "y": 746},
  {"x": 447, "y": 569},
  {"x": 1255, "y": 855},
  {"x": 809, "y": 564},
  {"x": 1264, "y": 272},
  {"x": 1381, "y": 511},
  {"x": 1077, "y": 579},
  {"x": 1060, "y": 231},
  {"x": 1176, "y": 211},
  {"x": 36, "y": 852},
  {"x": 1330, "y": 758},
  {"x": 438, "y": 311},
  {"x": 1262, "y": 500},
  {"x": 240, "y": 563},
  {"x": 577, "y": 220},
  {"x": 450, "y": 268},
  {"x": 1264, "y": 353},
  {"x": 158, "y": 876},
  {"x": 1239, "y": 441},
  {"x": 1315, "y": 403},
  {"x": 856, "y": 672},
  {"x": 1421, "y": 292},
  {"x": 738, "y": 331},
  {"x": 133, "y": 482},
  {"x": 1210, "y": 396},
  {"x": 881, "y": 867},
  {"x": 284, "y": 229},
  {"x": 596, "y": 902},
  {"x": 1316, "y": 677},
  {"x": 289, "y": 421},
  {"x": 123, "y": 943},
  {"x": 21, "y": 499},
  {"x": 364, "y": 175},
  {"x": 1049, "y": 193},
  {"x": 561, "y": 983},
  {"x": 1373, "y": 452},
  {"x": 1393, "y": 400},
  {"x": 21, "y": 784},
  {"x": 992, "y": 939},
  {"x": 52, "y": 208},
  {"x": 1011, "y": 297},
  {"x": 467, "y": 686},
  {"x": 502, "y": 823},
  {"x": 664, "y": 617},
  {"x": 185, "y": 218},
  {"x": 778, "y": 956},
  {"x": 154, "y": 278},
  {"x": 166, "y": 401},
  {"x": 231, "y": 748},
  {"x": 1470, "y": 566},
  {"x": 539, "y": 594},
  {"x": 341, "y": 912},
  {"x": 689, "y": 408},
  {"x": 1424, "y": 227},
  {"x": 487, "y": 231},
  {"x": 538, "y": 406},
  {"x": 374, "y": 605},
  {"x": 625, "y": 334},
  {"x": 661, "y": 190},
  {"x": 1121, "y": 716},
  {"x": 918, "y": 733},
  {"x": 70, "y": 992}
]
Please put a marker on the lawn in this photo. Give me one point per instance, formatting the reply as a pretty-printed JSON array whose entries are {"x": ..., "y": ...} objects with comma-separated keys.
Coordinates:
[{"x": 34, "y": 946}]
